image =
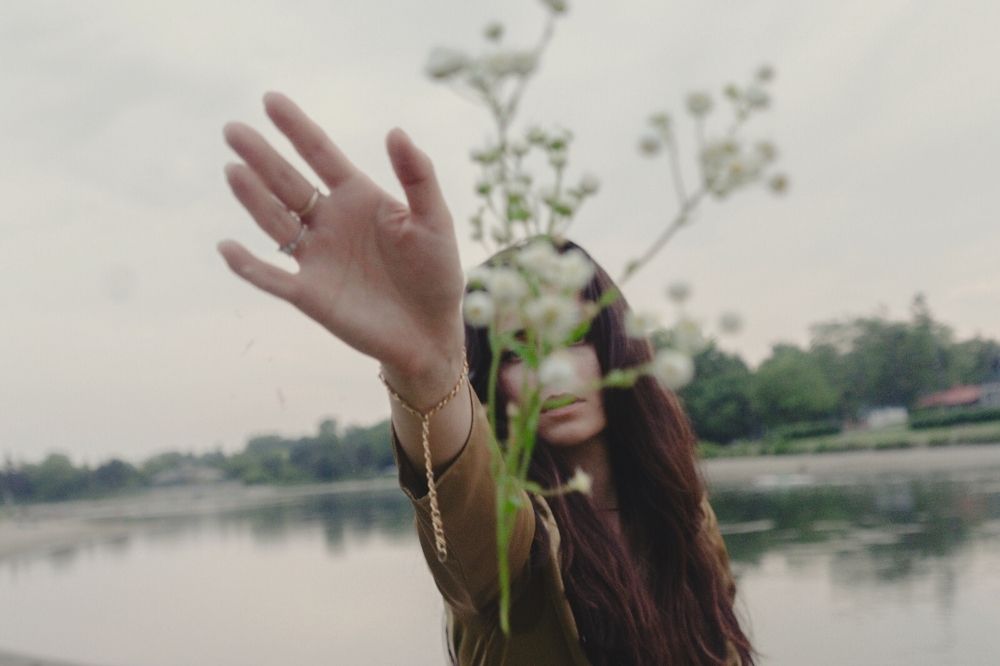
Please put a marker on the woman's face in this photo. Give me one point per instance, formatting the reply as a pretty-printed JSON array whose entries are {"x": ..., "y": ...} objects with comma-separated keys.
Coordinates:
[{"x": 574, "y": 423}]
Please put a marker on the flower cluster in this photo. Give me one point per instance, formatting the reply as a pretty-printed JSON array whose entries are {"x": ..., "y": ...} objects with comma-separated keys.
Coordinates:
[
  {"x": 514, "y": 203},
  {"x": 534, "y": 290},
  {"x": 726, "y": 162},
  {"x": 528, "y": 299}
]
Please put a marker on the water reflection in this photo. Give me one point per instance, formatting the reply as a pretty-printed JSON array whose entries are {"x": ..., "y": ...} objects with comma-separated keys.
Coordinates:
[
  {"x": 894, "y": 524},
  {"x": 902, "y": 566}
]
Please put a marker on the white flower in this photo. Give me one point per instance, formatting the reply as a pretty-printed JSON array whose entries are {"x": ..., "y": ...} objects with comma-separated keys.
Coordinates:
[
  {"x": 557, "y": 158},
  {"x": 699, "y": 103},
  {"x": 557, "y": 373},
  {"x": 640, "y": 324},
  {"x": 553, "y": 317},
  {"x": 672, "y": 368},
  {"x": 506, "y": 285},
  {"x": 679, "y": 292},
  {"x": 479, "y": 277},
  {"x": 538, "y": 257},
  {"x": 688, "y": 336},
  {"x": 574, "y": 270},
  {"x": 649, "y": 145},
  {"x": 730, "y": 322},
  {"x": 478, "y": 309},
  {"x": 589, "y": 184},
  {"x": 556, "y": 6},
  {"x": 519, "y": 148},
  {"x": 581, "y": 482},
  {"x": 444, "y": 63}
]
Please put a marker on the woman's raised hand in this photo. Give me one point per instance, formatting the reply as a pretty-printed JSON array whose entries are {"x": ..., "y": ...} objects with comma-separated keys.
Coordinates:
[{"x": 383, "y": 276}]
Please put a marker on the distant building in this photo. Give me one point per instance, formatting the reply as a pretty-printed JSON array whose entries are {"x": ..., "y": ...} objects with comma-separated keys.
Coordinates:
[
  {"x": 884, "y": 417},
  {"x": 983, "y": 395},
  {"x": 956, "y": 396}
]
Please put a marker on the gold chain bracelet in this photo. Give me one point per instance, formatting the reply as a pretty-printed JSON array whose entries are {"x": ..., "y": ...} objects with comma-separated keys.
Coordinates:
[{"x": 425, "y": 430}]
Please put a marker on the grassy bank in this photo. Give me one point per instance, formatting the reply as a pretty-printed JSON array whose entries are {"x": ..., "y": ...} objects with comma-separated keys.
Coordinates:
[{"x": 899, "y": 437}]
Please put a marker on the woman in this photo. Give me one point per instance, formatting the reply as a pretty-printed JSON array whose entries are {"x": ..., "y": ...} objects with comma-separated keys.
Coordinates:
[{"x": 638, "y": 575}]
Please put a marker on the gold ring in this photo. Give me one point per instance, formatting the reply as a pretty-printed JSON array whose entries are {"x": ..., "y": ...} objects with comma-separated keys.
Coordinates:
[{"x": 305, "y": 210}]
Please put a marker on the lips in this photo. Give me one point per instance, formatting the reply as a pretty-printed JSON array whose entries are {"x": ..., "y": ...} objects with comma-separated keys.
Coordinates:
[{"x": 561, "y": 396}]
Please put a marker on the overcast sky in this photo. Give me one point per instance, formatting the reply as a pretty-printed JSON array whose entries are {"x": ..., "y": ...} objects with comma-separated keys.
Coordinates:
[{"x": 123, "y": 333}]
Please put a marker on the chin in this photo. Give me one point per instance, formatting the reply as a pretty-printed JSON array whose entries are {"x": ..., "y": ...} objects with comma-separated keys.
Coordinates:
[{"x": 569, "y": 434}]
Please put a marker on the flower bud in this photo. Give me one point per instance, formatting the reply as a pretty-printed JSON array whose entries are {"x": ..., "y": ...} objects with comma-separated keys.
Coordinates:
[
  {"x": 672, "y": 369},
  {"x": 444, "y": 63},
  {"x": 581, "y": 482},
  {"x": 493, "y": 31},
  {"x": 640, "y": 324},
  {"x": 478, "y": 309},
  {"x": 730, "y": 322},
  {"x": 556, "y": 6},
  {"x": 506, "y": 285},
  {"x": 660, "y": 121},
  {"x": 479, "y": 277},
  {"x": 699, "y": 104},
  {"x": 679, "y": 292},
  {"x": 589, "y": 184},
  {"x": 536, "y": 135},
  {"x": 649, "y": 145},
  {"x": 687, "y": 336},
  {"x": 779, "y": 184},
  {"x": 757, "y": 97},
  {"x": 557, "y": 373}
]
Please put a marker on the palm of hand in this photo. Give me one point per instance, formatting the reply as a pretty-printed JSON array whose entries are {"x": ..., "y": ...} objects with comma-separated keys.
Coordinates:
[{"x": 382, "y": 276}]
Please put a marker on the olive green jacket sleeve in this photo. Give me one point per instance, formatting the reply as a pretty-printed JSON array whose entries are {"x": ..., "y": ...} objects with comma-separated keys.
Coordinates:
[{"x": 468, "y": 578}]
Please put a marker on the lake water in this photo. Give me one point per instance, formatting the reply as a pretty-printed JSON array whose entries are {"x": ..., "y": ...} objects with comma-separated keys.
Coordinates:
[{"x": 902, "y": 571}]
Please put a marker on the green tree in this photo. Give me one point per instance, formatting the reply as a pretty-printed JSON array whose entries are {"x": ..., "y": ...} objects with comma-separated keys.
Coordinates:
[
  {"x": 719, "y": 400},
  {"x": 791, "y": 387}
]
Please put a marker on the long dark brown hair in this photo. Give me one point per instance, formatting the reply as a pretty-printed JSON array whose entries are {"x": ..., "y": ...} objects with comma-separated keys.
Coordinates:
[{"x": 678, "y": 608}]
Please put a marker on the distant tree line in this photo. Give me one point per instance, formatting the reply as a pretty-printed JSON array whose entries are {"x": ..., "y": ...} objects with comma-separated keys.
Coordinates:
[
  {"x": 848, "y": 367},
  {"x": 329, "y": 455}
]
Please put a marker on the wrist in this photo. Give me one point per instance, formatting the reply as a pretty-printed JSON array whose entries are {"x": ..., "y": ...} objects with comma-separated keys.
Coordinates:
[{"x": 423, "y": 384}]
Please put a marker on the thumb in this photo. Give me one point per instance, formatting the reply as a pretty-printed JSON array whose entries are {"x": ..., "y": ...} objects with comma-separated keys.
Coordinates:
[{"x": 415, "y": 173}]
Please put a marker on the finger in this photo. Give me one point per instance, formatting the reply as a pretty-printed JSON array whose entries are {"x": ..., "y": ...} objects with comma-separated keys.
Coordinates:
[
  {"x": 415, "y": 173},
  {"x": 282, "y": 178},
  {"x": 309, "y": 140},
  {"x": 269, "y": 213},
  {"x": 259, "y": 273}
]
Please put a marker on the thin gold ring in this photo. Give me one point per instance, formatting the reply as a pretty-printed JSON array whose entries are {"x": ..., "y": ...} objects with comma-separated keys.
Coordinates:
[{"x": 305, "y": 210}]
